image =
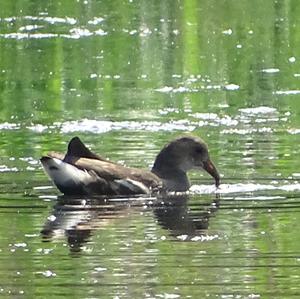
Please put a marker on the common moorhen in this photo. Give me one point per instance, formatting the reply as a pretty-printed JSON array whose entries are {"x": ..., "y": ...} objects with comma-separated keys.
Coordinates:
[{"x": 81, "y": 172}]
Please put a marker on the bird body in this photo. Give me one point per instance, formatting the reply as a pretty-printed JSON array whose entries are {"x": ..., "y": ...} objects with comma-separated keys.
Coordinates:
[{"x": 82, "y": 172}]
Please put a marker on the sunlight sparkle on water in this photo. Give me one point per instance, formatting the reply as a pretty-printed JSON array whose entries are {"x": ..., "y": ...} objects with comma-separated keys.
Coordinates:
[
  {"x": 232, "y": 87},
  {"x": 127, "y": 79},
  {"x": 258, "y": 110},
  {"x": 241, "y": 188},
  {"x": 292, "y": 59},
  {"x": 20, "y": 245},
  {"x": 227, "y": 32},
  {"x": 270, "y": 70},
  {"x": 168, "y": 296},
  {"x": 294, "y": 131},
  {"x": 4, "y": 168},
  {"x": 96, "y": 21},
  {"x": 25, "y": 32},
  {"x": 247, "y": 131},
  {"x": 9, "y": 126},
  {"x": 287, "y": 92},
  {"x": 98, "y": 126},
  {"x": 47, "y": 273}
]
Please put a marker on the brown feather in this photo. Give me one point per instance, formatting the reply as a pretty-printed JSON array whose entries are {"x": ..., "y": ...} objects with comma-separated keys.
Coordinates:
[{"x": 110, "y": 171}]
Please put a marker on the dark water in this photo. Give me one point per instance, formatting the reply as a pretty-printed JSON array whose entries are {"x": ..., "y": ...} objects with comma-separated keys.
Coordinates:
[{"x": 128, "y": 77}]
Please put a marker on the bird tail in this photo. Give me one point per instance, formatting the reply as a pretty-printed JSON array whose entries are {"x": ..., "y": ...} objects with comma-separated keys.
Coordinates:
[{"x": 68, "y": 178}]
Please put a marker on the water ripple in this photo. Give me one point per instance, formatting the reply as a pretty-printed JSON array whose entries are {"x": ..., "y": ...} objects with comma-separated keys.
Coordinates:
[
  {"x": 258, "y": 110},
  {"x": 240, "y": 124},
  {"x": 185, "y": 89},
  {"x": 287, "y": 92},
  {"x": 270, "y": 70},
  {"x": 247, "y": 131},
  {"x": 294, "y": 131},
  {"x": 4, "y": 168},
  {"x": 9, "y": 126},
  {"x": 102, "y": 126},
  {"x": 29, "y": 31},
  {"x": 242, "y": 188},
  {"x": 46, "y": 19}
]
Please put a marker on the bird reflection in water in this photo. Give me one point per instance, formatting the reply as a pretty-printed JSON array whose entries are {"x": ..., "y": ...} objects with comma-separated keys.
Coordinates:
[
  {"x": 180, "y": 219},
  {"x": 76, "y": 219}
]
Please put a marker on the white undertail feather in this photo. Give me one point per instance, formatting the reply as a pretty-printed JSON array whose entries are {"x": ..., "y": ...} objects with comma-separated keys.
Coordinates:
[{"x": 64, "y": 173}]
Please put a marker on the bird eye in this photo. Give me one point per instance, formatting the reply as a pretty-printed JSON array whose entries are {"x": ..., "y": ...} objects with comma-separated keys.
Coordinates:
[{"x": 199, "y": 151}]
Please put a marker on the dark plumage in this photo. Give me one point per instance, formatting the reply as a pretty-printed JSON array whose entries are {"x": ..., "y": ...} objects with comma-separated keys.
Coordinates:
[{"x": 81, "y": 172}]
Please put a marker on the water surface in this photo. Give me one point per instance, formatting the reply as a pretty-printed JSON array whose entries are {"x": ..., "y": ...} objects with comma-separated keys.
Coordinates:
[{"x": 128, "y": 77}]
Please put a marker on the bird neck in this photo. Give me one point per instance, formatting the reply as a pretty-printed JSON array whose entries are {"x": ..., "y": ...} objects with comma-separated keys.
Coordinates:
[{"x": 174, "y": 179}]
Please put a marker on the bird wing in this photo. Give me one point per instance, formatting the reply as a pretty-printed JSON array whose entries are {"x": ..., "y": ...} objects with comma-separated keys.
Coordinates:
[{"x": 110, "y": 171}]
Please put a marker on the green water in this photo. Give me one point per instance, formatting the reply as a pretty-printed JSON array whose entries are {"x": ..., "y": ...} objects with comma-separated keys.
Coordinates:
[{"x": 127, "y": 77}]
